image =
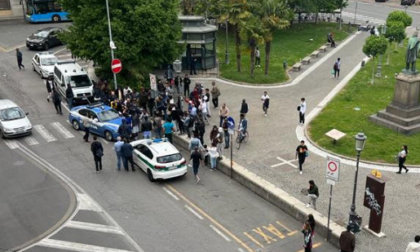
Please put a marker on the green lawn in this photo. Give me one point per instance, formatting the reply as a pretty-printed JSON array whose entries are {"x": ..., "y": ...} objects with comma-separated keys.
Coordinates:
[
  {"x": 289, "y": 45},
  {"x": 382, "y": 144}
]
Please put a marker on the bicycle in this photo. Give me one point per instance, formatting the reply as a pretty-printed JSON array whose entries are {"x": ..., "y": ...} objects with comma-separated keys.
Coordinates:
[{"x": 241, "y": 138}]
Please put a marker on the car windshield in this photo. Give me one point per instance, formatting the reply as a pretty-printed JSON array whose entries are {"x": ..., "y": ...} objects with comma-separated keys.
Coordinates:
[
  {"x": 41, "y": 34},
  {"x": 10, "y": 114},
  {"x": 169, "y": 159},
  {"x": 49, "y": 61},
  {"x": 79, "y": 80},
  {"x": 108, "y": 115}
]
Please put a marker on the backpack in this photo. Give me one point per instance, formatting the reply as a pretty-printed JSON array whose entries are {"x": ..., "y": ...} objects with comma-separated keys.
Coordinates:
[
  {"x": 335, "y": 65},
  {"x": 298, "y": 108}
]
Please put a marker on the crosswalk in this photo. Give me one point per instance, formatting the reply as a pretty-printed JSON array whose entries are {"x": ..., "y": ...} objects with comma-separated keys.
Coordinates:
[
  {"x": 348, "y": 16},
  {"x": 66, "y": 55}
]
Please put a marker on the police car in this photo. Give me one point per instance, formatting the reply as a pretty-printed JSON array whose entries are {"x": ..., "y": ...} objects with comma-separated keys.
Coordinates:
[
  {"x": 43, "y": 63},
  {"x": 159, "y": 159},
  {"x": 105, "y": 120}
]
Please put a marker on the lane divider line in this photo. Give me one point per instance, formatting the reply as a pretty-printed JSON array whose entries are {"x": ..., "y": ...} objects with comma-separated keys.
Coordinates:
[
  {"x": 220, "y": 233},
  {"x": 170, "y": 193},
  {"x": 74, "y": 246},
  {"x": 94, "y": 227},
  {"x": 44, "y": 133},
  {"x": 194, "y": 212},
  {"x": 62, "y": 130}
]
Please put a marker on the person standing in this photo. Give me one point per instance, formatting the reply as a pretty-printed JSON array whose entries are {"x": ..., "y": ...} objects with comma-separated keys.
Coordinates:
[
  {"x": 301, "y": 154},
  {"x": 57, "y": 101},
  {"x": 225, "y": 127},
  {"x": 265, "y": 102},
  {"x": 257, "y": 57},
  {"x": 207, "y": 99},
  {"x": 244, "y": 108},
  {"x": 169, "y": 74},
  {"x": 337, "y": 66},
  {"x": 86, "y": 121},
  {"x": 98, "y": 152},
  {"x": 302, "y": 110},
  {"x": 195, "y": 142},
  {"x": 414, "y": 246},
  {"x": 313, "y": 194},
  {"x": 19, "y": 58},
  {"x": 307, "y": 237},
  {"x": 146, "y": 128},
  {"x": 49, "y": 85},
  {"x": 347, "y": 241},
  {"x": 192, "y": 64},
  {"x": 223, "y": 113},
  {"x": 204, "y": 110},
  {"x": 311, "y": 221},
  {"x": 168, "y": 128},
  {"x": 187, "y": 83},
  {"x": 69, "y": 96},
  {"x": 215, "y": 93},
  {"x": 196, "y": 160},
  {"x": 201, "y": 130},
  {"x": 127, "y": 154},
  {"x": 117, "y": 149},
  {"x": 220, "y": 138},
  {"x": 124, "y": 130},
  {"x": 401, "y": 159},
  {"x": 213, "y": 156}
]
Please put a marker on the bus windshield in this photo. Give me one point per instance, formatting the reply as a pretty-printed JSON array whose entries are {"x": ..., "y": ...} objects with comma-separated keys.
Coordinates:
[
  {"x": 79, "y": 81},
  {"x": 42, "y": 6}
]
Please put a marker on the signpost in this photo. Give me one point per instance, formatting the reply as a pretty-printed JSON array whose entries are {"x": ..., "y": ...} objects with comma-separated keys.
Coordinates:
[
  {"x": 116, "y": 66},
  {"x": 153, "y": 85},
  {"x": 231, "y": 131},
  {"x": 332, "y": 175}
]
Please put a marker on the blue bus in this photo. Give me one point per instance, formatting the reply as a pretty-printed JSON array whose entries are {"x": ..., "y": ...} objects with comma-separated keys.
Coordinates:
[{"x": 45, "y": 11}]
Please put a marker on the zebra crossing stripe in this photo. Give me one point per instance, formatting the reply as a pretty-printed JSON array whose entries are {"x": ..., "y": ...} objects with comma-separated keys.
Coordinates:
[
  {"x": 12, "y": 144},
  {"x": 74, "y": 246},
  {"x": 30, "y": 140},
  {"x": 85, "y": 203},
  {"x": 94, "y": 227},
  {"x": 62, "y": 130},
  {"x": 362, "y": 17},
  {"x": 44, "y": 133}
]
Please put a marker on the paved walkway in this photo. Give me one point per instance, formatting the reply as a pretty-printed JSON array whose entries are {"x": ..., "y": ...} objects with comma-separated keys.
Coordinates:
[{"x": 271, "y": 149}]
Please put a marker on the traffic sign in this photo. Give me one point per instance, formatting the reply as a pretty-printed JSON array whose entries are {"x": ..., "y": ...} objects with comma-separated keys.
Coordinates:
[
  {"x": 333, "y": 170},
  {"x": 153, "y": 85},
  {"x": 231, "y": 125},
  {"x": 116, "y": 66}
]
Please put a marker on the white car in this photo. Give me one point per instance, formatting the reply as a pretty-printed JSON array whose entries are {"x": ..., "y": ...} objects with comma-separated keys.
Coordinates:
[
  {"x": 43, "y": 63},
  {"x": 13, "y": 121},
  {"x": 159, "y": 159}
]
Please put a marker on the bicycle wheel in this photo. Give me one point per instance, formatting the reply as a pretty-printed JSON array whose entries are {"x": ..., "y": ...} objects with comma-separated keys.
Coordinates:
[
  {"x": 238, "y": 142},
  {"x": 245, "y": 140}
]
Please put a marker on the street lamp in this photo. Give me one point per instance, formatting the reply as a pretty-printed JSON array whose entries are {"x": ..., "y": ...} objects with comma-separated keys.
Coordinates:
[
  {"x": 177, "y": 66},
  {"x": 405, "y": 7},
  {"x": 111, "y": 43},
  {"x": 355, "y": 13},
  {"x": 379, "y": 71},
  {"x": 354, "y": 219},
  {"x": 226, "y": 52}
]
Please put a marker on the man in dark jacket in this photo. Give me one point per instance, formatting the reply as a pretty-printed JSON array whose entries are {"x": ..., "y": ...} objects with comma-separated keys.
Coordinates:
[
  {"x": 98, "y": 152},
  {"x": 124, "y": 130},
  {"x": 187, "y": 83},
  {"x": 313, "y": 194},
  {"x": 49, "y": 85},
  {"x": 69, "y": 96},
  {"x": 244, "y": 108},
  {"x": 127, "y": 155},
  {"x": 57, "y": 101},
  {"x": 19, "y": 59},
  {"x": 146, "y": 128},
  {"x": 347, "y": 241}
]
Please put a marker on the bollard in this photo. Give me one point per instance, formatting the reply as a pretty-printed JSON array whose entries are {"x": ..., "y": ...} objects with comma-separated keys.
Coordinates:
[
  {"x": 349, "y": 26},
  {"x": 284, "y": 65},
  {"x": 363, "y": 63}
]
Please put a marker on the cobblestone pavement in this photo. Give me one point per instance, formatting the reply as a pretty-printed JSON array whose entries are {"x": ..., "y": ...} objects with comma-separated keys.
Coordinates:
[{"x": 273, "y": 140}]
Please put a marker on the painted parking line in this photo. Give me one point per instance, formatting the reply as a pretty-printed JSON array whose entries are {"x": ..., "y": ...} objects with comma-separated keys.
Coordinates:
[
  {"x": 74, "y": 246},
  {"x": 268, "y": 234},
  {"x": 94, "y": 227},
  {"x": 194, "y": 212},
  {"x": 12, "y": 144},
  {"x": 220, "y": 233},
  {"x": 284, "y": 162},
  {"x": 316, "y": 245},
  {"x": 60, "y": 128},
  {"x": 170, "y": 193},
  {"x": 30, "y": 140},
  {"x": 44, "y": 133},
  {"x": 287, "y": 229}
]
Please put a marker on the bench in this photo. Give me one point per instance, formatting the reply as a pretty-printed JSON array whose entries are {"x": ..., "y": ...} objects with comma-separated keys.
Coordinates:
[
  {"x": 323, "y": 49},
  {"x": 306, "y": 60},
  {"x": 315, "y": 54},
  {"x": 328, "y": 44},
  {"x": 297, "y": 66},
  {"x": 335, "y": 135}
]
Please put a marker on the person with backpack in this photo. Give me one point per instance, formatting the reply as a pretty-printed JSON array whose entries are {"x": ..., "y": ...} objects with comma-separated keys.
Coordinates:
[
  {"x": 124, "y": 130},
  {"x": 98, "y": 152},
  {"x": 307, "y": 237},
  {"x": 301, "y": 153},
  {"x": 337, "y": 65}
]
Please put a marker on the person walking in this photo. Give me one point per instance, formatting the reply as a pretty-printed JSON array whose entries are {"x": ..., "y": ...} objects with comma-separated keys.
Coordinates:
[
  {"x": 196, "y": 160},
  {"x": 225, "y": 127},
  {"x": 311, "y": 221},
  {"x": 168, "y": 128},
  {"x": 220, "y": 138},
  {"x": 124, "y": 129},
  {"x": 192, "y": 64},
  {"x": 223, "y": 113},
  {"x": 213, "y": 156},
  {"x": 19, "y": 58},
  {"x": 57, "y": 101},
  {"x": 146, "y": 128},
  {"x": 86, "y": 121},
  {"x": 215, "y": 93},
  {"x": 49, "y": 85},
  {"x": 127, "y": 154},
  {"x": 69, "y": 96},
  {"x": 207, "y": 100},
  {"x": 347, "y": 240},
  {"x": 244, "y": 108},
  {"x": 265, "y": 102},
  {"x": 257, "y": 57},
  {"x": 204, "y": 110},
  {"x": 187, "y": 83},
  {"x": 307, "y": 237},
  {"x": 195, "y": 142},
  {"x": 117, "y": 149},
  {"x": 337, "y": 66},
  {"x": 301, "y": 152},
  {"x": 402, "y": 155},
  {"x": 302, "y": 110},
  {"x": 414, "y": 246},
  {"x": 313, "y": 194},
  {"x": 98, "y": 152},
  {"x": 213, "y": 134}
]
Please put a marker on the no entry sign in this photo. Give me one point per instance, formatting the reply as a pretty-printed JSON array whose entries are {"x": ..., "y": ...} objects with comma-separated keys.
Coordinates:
[
  {"x": 333, "y": 169},
  {"x": 116, "y": 66}
]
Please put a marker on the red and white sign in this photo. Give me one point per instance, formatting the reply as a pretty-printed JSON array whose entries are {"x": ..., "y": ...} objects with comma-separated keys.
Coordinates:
[
  {"x": 116, "y": 66},
  {"x": 333, "y": 169},
  {"x": 153, "y": 84}
]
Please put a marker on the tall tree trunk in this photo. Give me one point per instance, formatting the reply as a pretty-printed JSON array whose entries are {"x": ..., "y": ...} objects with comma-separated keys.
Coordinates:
[
  {"x": 389, "y": 52},
  {"x": 316, "y": 17},
  {"x": 238, "y": 48},
  {"x": 252, "y": 61},
  {"x": 267, "y": 56},
  {"x": 373, "y": 70},
  {"x": 341, "y": 15}
]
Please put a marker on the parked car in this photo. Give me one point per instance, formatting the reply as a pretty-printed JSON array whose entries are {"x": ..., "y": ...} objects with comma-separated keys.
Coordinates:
[
  {"x": 13, "y": 121},
  {"x": 408, "y": 2},
  {"x": 159, "y": 159},
  {"x": 43, "y": 63},
  {"x": 44, "y": 38}
]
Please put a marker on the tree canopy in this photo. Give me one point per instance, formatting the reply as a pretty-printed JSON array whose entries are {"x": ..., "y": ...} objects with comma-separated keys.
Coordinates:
[
  {"x": 145, "y": 33},
  {"x": 399, "y": 16}
]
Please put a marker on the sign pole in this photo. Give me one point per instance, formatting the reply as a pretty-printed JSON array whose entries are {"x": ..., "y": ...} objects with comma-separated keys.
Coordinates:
[
  {"x": 111, "y": 43},
  {"x": 329, "y": 214},
  {"x": 231, "y": 156}
]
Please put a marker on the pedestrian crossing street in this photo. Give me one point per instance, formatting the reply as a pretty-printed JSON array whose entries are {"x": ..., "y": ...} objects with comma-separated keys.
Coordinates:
[{"x": 348, "y": 16}]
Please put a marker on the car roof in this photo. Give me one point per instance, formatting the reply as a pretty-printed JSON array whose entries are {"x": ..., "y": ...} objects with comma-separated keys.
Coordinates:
[
  {"x": 158, "y": 146},
  {"x": 6, "y": 103},
  {"x": 49, "y": 29},
  {"x": 70, "y": 68},
  {"x": 97, "y": 108},
  {"x": 46, "y": 55}
]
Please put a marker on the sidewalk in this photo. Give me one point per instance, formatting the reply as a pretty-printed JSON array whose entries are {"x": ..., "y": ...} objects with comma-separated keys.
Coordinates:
[
  {"x": 15, "y": 12},
  {"x": 271, "y": 149}
]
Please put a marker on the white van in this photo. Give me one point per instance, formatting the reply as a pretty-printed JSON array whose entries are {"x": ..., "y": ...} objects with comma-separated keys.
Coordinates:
[{"x": 66, "y": 72}]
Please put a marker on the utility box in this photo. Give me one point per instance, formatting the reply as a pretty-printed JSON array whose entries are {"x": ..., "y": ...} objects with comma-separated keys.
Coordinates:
[{"x": 374, "y": 199}]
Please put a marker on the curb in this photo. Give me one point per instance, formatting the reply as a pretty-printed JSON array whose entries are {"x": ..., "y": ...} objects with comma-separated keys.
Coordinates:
[{"x": 273, "y": 194}]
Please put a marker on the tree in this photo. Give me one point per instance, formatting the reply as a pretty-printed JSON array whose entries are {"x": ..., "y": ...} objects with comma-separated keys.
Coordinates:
[
  {"x": 399, "y": 16},
  {"x": 395, "y": 32},
  {"x": 373, "y": 47},
  {"x": 145, "y": 33},
  {"x": 341, "y": 4}
]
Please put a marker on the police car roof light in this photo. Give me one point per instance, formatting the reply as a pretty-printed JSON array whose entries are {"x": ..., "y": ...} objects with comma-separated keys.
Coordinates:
[
  {"x": 66, "y": 62},
  {"x": 157, "y": 140},
  {"x": 96, "y": 105}
]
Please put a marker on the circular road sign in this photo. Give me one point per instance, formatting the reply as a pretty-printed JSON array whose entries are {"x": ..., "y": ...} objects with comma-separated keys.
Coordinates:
[
  {"x": 116, "y": 66},
  {"x": 332, "y": 166}
]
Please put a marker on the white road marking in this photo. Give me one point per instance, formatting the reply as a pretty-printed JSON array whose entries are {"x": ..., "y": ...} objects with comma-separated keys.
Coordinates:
[
  {"x": 87, "y": 204},
  {"x": 220, "y": 233},
  {"x": 60, "y": 128},
  {"x": 12, "y": 144},
  {"x": 194, "y": 212},
  {"x": 241, "y": 250},
  {"x": 30, "y": 140},
  {"x": 363, "y": 18},
  {"x": 74, "y": 246},
  {"x": 94, "y": 227},
  {"x": 44, "y": 133},
  {"x": 170, "y": 193},
  {"x": 284, "y": 162}
]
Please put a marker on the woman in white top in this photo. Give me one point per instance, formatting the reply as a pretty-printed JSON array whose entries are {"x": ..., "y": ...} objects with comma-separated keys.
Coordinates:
[
  {"x": 401, "y": 159},
  {"x": 214, "y": 154}
]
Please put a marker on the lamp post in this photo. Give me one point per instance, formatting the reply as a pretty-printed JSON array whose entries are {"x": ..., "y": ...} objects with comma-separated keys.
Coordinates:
[
  {"x": 355, "y": 13},
  {"x": 405, "y": 7},
  {"x": 354, "y": 219},
  {"x": 379, "y": 71},
  {"x": 227, "y": 39},
  {"x": 111, "y": 43},
  {"x": 178, "y": 68}
]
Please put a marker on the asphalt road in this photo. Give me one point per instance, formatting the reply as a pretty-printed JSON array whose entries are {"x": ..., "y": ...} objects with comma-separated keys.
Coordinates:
[{"x": 115, "y": 207}]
